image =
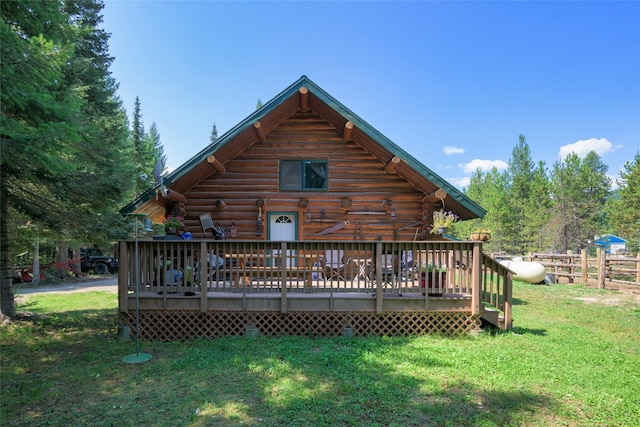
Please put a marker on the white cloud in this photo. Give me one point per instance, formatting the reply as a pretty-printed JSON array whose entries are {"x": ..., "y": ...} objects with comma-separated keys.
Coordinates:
[
  {"x": 581, "y": 148},
  {"x": 449, "y": 150},
  {"x": 485, "y": 165},
  {"x": 460, "y": 182}
]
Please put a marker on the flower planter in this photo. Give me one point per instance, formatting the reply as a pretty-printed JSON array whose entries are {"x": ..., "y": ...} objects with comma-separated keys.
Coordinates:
[
  {"x": 434, "y": 282},
  {"x": 480, "y": 236}
]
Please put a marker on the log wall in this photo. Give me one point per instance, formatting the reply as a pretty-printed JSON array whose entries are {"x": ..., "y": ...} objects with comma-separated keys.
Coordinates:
[{"x": 354, "y": 174}]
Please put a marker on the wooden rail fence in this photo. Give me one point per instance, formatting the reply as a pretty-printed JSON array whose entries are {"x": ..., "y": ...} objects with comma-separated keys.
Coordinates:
[{"x": 602, "y": 269}]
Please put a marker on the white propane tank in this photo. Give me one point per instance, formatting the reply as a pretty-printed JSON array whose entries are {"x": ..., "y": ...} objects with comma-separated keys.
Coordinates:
[{"x": 532, "y": 272}]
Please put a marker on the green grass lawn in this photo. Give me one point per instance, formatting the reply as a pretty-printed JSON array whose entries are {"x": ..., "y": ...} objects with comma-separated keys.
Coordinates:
[{"x": 572, "y": 358}]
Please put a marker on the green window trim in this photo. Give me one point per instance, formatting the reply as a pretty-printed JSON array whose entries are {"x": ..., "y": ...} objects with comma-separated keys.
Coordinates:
[{"x": 304, "y": 175}]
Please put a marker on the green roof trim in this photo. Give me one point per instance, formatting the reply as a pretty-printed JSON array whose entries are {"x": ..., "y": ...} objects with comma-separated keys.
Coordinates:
[{"x": 304, "y": 81}]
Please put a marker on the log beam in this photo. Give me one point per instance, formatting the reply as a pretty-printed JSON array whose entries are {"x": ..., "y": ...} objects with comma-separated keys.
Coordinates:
[
  {"x": 174, "y": 196},
  {"x": 346, "y": 134},
  {"x": 304, "y": 99},
  {"x": 391, "y": 166},
  {"x": 216, "y": 163},
  {"x": 345, "y": 204},
  {"x": 260, "y": 132},
  {"x": 437, "y": 195},
  {"x": 220, "y": 205}
]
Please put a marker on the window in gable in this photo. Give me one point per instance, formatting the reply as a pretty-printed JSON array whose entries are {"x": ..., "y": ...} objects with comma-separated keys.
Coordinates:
[{"x": 305, "y": 175}]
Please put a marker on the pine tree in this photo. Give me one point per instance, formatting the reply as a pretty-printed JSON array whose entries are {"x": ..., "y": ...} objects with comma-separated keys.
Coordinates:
[
  {"x": 579, "y": 190},
  {"x": 623, "y": 213},
  {"x": 63, "y": 130},
  {"x": 138, "y": 136},
  {"x": 214, "y": 134},
  {"x": 154, "y": 149},
  {"x": 518, "y": 231}
]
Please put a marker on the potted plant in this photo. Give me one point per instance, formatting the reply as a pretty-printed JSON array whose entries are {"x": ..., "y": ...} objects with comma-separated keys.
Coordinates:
[
  {"x": 442, "y": 220},
  {"x": 481, "y": 235},
  {"x": 433, "y": 277},
  {"x": 173, "y": 223}
]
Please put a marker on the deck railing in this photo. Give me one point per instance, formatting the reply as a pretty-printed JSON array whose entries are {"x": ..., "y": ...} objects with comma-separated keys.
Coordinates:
[{"x": 211, "y": 267}]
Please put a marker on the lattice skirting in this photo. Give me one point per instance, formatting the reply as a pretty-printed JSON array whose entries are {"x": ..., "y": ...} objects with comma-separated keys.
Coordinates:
[{"x": 178, "y": 325}]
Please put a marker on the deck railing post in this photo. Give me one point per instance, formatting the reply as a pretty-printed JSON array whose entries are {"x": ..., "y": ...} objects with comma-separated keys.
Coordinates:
[
  {"x": 476, "y": 278},
  {"x": 283, "y": 277},
  {"x": 508, "y": 285},
  {"x": 123, "y": 277},
  {"x": 202, "y": 276},
  {"x": 378, "y": 264}
]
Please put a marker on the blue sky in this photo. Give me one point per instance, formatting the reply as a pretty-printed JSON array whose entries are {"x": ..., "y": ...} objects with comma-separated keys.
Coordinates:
[{"x": 452, "y": 83}]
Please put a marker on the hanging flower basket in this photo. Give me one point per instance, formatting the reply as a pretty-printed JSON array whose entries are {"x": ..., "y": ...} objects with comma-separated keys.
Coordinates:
[
  {"x": 442, "y": 220},
  {"x": 173, "y": 224}
]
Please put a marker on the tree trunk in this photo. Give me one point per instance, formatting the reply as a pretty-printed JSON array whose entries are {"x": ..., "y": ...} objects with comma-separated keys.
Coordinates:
[{"x": 7, "y": 303}]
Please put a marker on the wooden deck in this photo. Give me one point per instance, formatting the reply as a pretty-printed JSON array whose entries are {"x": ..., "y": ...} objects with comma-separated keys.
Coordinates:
[{"x": 286, "y": 288}]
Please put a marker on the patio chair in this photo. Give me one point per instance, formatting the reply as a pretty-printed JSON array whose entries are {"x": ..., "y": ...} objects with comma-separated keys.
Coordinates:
[
  {"x": 335, "y": 265},
  {"x": 391, "y": 273}
]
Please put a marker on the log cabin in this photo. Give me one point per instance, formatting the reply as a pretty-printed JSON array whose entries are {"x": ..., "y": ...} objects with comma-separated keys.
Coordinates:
[{"x": 327, "y": 228}]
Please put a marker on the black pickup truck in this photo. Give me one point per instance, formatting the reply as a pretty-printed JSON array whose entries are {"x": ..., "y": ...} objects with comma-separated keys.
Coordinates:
[{"x": 94, "y": 259}]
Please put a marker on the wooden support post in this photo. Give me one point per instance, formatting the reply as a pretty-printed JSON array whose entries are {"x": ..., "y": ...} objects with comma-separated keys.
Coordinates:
[
  {"x": 378, "y": 284},
  {"x": 476, "y": 279},
  {"x": 216, "y": 163},
  {"x": 202, "y": 277},
  {"x": 508, "y": 289},
  {"x": 123, "y": 276},
  {"x": 638, "y": 269},
  {"x": 304, "y": 99},
  {"x": 390, "y": 167},
  {"x": 346, "y": 134},
  {"x": 585, "y": 266},
  {"x": 260, "y": 132},
  {"x": 283, "y": 277}
]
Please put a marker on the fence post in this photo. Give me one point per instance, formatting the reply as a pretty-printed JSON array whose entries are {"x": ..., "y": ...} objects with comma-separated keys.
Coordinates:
[
  {"x": 601, "y": 267},
  {"x": 638, "y": 268},
  {"x": 571, "y": 268},
  {"x": 585, "y": 274}
]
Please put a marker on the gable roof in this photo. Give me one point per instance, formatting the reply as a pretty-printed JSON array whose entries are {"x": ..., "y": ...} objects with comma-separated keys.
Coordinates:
[{"x": 278, "y": 109}]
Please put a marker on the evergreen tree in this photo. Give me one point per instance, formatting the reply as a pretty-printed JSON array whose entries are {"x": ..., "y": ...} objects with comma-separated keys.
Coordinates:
[
  {"x": 624, "y": 212},
  {"x": 538, "y": 216},
  {"x": 488, "y": 190},
  {"x": 580, "y": 188},
  {"x": 63, "y": 131},
  {"x": 141, "y": 152},
  {"x": 36, "y": 116},
  {"x": 214, "y": 134},
  {"x": 154, "y": 150},
  {"x": 518, "y": 231}
]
